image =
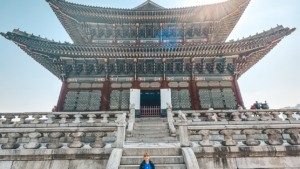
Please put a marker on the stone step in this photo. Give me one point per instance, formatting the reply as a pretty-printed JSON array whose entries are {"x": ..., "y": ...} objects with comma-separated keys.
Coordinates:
[
  {"x": 151, "y": 131},
  {"x": 150, "y": 127},
  {"x": 151, "y": 135},
  {"x": 152, "y": 140},
  {"x": 133, "y": 160},
  {"x": 152, "y": 151},
  {"x": 151, "y": 124},
  {"x": 157, "y": 166}
]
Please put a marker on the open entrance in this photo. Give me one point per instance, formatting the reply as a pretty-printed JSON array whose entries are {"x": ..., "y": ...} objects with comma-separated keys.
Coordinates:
[{"x": 150, "y": 103}]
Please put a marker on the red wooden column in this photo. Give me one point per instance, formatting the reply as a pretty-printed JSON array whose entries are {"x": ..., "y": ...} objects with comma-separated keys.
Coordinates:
[
  {"x": 238, "y": 95},
  {"x": 62, "y": 96},
  {"x": 194, "y": 96},
  {"x": 164, "y": 84},
  {"x": 105, "y": 97},
  {"x": 135, "y": 85}
]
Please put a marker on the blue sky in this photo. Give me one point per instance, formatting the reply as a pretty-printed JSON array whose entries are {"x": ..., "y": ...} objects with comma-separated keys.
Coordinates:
[{"x": 26, "y": 86}]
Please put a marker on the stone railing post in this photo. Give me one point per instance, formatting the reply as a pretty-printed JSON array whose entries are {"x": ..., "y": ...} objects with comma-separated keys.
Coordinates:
[
  {"x": 54, "y": 140},
  {"x": 36, "y": 119},
  {"x": 49, "y": 119},
  {"x": 77, "y": 118},
  {"x": 22, "y": 119},
  {"x": 205, "y": 138},
  {"x": 120, "y": 134},
  {"x": 249, "y": 116},
  {"x": 132, "y": 113},
  {"x": 294, "y": 134},
  {"x": 98, "y": 140},
  {"x": 236, "y": 116},
  {"x": 196, "y": 117},
  {"x": 77, "y": 140},
  {"x": 9, "y": 118},
  {"x": 228, "y": 138},
  {"x": 91, "y": 118},
  {"x": 12, "y": 141},
  {"x": 272, "y": 137},
  {"x": 262, "y": 116},
  {"x": 183, "y": 131},
  {"x": 105, "y": 118},
  {"x": 276, "y": 116},
  {"x": 63, "y": 119},
  {"x": 209, "y": 116},
  {"x": 289, "y": 115},
  {"x": 169, "y": 113},
  {"x": 34, "y": 141},
  {"x": 223, "y": 116},
  {"x": 250, "y": 137}
]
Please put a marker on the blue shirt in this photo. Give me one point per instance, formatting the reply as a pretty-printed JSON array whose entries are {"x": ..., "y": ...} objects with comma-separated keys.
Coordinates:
[{"x": 147, "y": 166}]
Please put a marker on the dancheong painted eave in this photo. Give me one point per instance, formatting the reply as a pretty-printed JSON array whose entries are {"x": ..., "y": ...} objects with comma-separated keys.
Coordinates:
[
  {"x": 247, "y": 51},
  {"x": 222, "y": 17}
]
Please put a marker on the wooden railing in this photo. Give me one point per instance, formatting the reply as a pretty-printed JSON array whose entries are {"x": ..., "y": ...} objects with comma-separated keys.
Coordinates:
[{"x": 150, "y": 111}]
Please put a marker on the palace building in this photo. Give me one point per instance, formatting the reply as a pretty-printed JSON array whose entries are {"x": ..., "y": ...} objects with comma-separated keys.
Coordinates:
[{"x": 149, "y": 55}]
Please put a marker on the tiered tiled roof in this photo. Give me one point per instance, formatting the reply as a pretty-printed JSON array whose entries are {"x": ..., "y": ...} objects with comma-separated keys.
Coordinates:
[
  {"x": 246, "y": 51},
  {"x": 224, "y": 14}
]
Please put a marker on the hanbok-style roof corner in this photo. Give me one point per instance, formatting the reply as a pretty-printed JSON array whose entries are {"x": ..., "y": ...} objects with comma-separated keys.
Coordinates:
[{"x": 220, "y": 18}]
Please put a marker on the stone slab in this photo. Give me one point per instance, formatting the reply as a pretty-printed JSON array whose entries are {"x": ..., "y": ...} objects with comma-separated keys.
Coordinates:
[
  {"x": 268, "y": 162},
  {"x": 6, "y": 164},
  {"x": 88, "y": 164},
  {"x": 217, "y": 163},
  {"x": 31, "y": 164}
]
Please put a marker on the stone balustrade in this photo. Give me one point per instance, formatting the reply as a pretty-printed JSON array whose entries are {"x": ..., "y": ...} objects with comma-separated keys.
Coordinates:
[
  {"x": 53, "y": 137},
  {"x": 64, "y": 117},
  {"x": 228, "y": 131},
  {"x": 251, "y": 115}
]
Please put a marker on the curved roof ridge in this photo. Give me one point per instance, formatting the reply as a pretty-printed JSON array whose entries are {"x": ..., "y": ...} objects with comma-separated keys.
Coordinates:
[{"x": 146, "y": 2}]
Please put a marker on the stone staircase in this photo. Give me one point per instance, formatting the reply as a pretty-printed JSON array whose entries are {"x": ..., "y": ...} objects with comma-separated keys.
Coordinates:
[
  {"x": 163, "y": 158},
  {"x": 151, "y": 130}
]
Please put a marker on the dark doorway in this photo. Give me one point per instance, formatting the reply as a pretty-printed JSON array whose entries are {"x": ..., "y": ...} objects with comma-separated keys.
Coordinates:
[
  {"x": 150, "y": 98},
  {"x": 150, "y": 103}
]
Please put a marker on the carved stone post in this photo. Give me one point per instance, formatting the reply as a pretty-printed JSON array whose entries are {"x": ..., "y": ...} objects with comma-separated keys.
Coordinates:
[
  {"x": 294, "y": 134},
  {"x": 36, "y": 119},
  {"x": 169, "y": 113},
  {"x": 77, "y": 118},
  {"x": 272, "y": 137},
  {"x": 250, "y": 137},
  {"x": 91, "y": 118},
  {"x": 105, "y": 118},
  {"x": 289, "y": 115},
  {"x": 50, "y": 119},
  {"x": 209, "y": 116},
  {"x": 12, "y": 141},
  {"x": 77, "y": 140},
  {"x": 120, "y": 134},
  {"x": 228, "y": 138},
  {"x": 249, "y": 116},
  {"x": 34, "y": 141},
  {"x": 223, "y": 116},
  {"x": 262, "y": 116},
  {"x": 9, "y": 117},
  {"x": 54, "y": 140},
  {"x": 98, "y": 140},
  {"x": 132, "y": 113},
  {"x": 22, "y": 119},
  {"x": 63, "y": 119},
  {"x": 276, "y": 116},
  {"x": 183, "y": 131},
  {"x": 205, "y": 138},
  {"x": 236, "y": 116},
  {"x": 196, "y": 117}
]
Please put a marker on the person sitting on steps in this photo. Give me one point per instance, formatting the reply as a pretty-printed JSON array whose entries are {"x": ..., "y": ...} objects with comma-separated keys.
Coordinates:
[{"x": 147, "y": 163}]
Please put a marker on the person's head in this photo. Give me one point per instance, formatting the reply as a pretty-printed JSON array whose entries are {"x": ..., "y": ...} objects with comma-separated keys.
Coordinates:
[
  {"x": 256, "y": 101},
  {"x": 147, "y": 157}
]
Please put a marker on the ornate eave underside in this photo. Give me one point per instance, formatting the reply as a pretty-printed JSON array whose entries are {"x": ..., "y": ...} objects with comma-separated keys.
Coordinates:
[
  {"x": 223, "y": 15},
  {"x": 56, "y": 56}
]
